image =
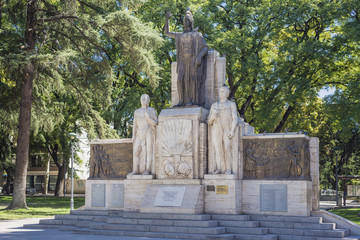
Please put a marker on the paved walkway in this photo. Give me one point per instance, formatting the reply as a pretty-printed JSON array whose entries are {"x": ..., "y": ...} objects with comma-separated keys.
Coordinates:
[{"x": 13, "y": 229}]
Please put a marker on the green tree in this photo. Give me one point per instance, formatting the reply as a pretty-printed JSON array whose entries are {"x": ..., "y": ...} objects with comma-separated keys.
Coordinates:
[{"x": 61, "y": 43}]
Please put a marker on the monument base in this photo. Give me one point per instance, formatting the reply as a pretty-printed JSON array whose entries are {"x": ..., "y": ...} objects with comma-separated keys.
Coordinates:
[
  {"x": 104, "y": 194},
  {"x": 222, "y": 194},
  {"x": 277, "y": 197},
  {"x": 184, "y": 199}
]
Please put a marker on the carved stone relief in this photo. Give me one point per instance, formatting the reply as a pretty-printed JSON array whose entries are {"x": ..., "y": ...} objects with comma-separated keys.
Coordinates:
[
  {"x": 176, "y": 148},
  {"x": 110, "y": 161},
  {"x": 287, "y": 158}
]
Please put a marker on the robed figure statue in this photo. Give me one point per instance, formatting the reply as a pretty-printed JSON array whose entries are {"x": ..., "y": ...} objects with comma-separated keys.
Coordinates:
[{"x": 191, "y": 50}]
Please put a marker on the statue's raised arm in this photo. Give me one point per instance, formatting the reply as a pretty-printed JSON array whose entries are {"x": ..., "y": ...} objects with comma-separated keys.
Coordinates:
[{"x": 167, "y": 31}]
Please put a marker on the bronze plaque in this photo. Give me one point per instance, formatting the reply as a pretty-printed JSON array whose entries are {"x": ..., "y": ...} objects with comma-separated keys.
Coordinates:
[
  {"x": 210, "y": 188},
  {"x": 277, "y": 158},
  {"x": 111, "y": 160},
  {"x": 222, "y": 189}
]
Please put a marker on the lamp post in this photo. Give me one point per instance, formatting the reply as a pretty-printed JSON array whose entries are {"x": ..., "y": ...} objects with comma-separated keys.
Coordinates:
[
  {"x": 72, "y": 137},
  {"x": 336, "y": 175}
]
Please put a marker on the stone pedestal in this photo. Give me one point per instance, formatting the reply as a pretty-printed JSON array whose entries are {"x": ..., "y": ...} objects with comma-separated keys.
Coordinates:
[
  {"x": 222, "y": 194},
  {"x": 104, "y": 194},
  {"x": 173, "y": 198},
  {"x": 182, "y": 143},
  {"x": 276, "y": 197},
  {"x": 140, "y": 195}
]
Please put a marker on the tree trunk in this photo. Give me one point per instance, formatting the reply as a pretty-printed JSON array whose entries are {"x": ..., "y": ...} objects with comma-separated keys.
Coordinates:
[
  {"x": 284, "y": 119},
  {"x": 1, "y": 177},
  {"x": 59, "y": 188},
  {"x": 22, "y": 150}
]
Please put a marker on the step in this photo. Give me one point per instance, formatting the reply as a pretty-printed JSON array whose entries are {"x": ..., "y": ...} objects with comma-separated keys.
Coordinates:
[
  {"x": 254, "y": 231},
  {"x": 311, "y": 226},
  {"x": 90, "y": 212},
  {"x": 286, "y": 218},
  {"x": 249, "y": 224},
  {"x": 231, "y": 217},
  {"x": 170, "y": 216},
  {"x": 41, "y": 226},
  {"x": 167, "y": 229},
  {"x": 156, "y": 234},
  {"x": 306, "y": 232},
  {"x": 256, "y": 237},
  {"x": 290, "y": 237},
  {"x": 161, "y": 222}
]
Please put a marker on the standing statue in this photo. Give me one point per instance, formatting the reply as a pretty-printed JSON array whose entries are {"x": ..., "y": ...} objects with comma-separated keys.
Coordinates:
[
  {"x": 191, "y": 49},
  {"x": 222, "y": 121},
  {"x": 145, "y": 121}
]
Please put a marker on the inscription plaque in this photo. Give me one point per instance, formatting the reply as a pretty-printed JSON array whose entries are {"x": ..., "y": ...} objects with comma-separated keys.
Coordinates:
[
  {"x": 97, "y": 195},
  {"x": 210, "y": 188},
  {"x": 222, "y": 189},
  {"x": 170, "y": 196},
  {"x": 117, "y": 196},
  {"x": 273, "y": 197}
]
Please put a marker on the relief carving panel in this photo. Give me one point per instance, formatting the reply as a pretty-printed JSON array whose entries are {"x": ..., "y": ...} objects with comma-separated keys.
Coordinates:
[
  {"x": 110, "y": 161},
  {"x": 176, "y": 149},
  {"x": 285, "y": 158}
]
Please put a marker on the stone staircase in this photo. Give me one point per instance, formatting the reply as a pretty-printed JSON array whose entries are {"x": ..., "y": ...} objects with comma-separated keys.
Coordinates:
[{"x": 196, "y": 226}]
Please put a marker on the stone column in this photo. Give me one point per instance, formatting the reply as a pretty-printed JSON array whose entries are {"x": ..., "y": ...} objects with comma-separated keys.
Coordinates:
[{"x": 314, "y": 172}]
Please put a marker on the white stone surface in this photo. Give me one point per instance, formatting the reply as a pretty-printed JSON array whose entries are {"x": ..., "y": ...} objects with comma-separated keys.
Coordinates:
[
  {"x": 220, "y": 176},
  {"x": 135, "y": 190},
  {"x": 192, "y": 201},
  {"x": 140, "y": 176},
  {"x": 108, "y": 194},
  {"x": 299, "y": 197},
  {"x": 222, "y": 123},
  {"x": 111, "y": 141},
  {"x": 314, "y": 172},
  {"x": 144, "y": 130},
  {"x": 169, "y": 196},
  {"x": 276, "y": 135},
  {"x": 216, "y": 203},
  {"x": 181, "y": 146}
]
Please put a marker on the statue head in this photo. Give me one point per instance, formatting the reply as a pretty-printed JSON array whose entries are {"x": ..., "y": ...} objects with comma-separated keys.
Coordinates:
[
  {"x": 145, "y": 100},
  {"x": 188, "y": 21},
  {"x": 224, "y": 93}
]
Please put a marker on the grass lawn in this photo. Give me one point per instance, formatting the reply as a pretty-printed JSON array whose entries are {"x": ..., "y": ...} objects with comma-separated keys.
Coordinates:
[
  {"x": 39, "y": 207},
  {"x": 348, "y": 213}
]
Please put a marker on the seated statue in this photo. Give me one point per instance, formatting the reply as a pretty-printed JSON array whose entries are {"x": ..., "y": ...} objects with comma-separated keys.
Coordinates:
[
  {"x": 222, "y": 121},
  {"x": 145, "y": 121}
]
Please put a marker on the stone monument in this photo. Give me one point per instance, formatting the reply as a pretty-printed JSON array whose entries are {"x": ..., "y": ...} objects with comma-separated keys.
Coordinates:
[
  {"x": 191, "y": 52},
  {"x": 192, "y": 160},
  {"x": 145, "y": 121},
  {"x": 222, "y": 123}
]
